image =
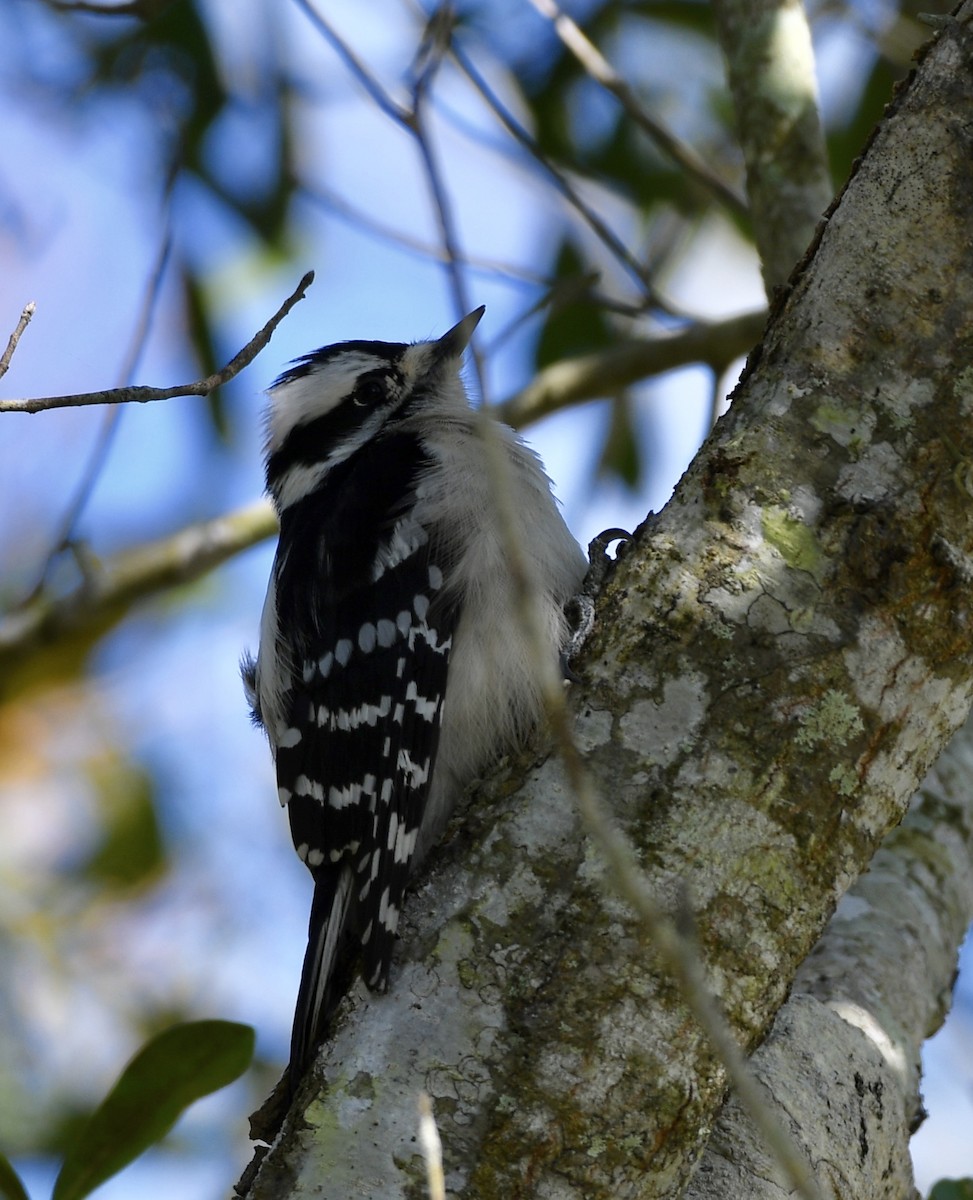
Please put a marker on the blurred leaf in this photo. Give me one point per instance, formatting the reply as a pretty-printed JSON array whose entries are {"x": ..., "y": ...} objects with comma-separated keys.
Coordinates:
[
  {"x": 62, "y": 1121},
  {"x": 576, "y": 325},
  {"x": 171, "y": 61},
  {"x": 200, "y": 329},
  {"x": 952, "y": 1189},
  {"x": 10, "y": 1186},
  {"x": 131, "y": 850},
  {"x": 620, "y": 456},
  {"x": 167, "y": 1075},
  {"x": 268, "y": 212},
  {"x": 632, "y": 162},
  {"x": 548, "y": 84},
  {"x": 203, "y": 338},
  {"x": 175, "y": 44}
]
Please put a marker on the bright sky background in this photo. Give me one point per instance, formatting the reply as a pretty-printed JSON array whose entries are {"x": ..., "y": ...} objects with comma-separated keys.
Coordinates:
[{"x": 225, "y": 932}]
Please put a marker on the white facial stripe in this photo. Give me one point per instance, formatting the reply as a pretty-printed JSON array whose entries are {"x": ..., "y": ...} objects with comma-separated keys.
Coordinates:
[
  {"x": 297, "y": 401},
  {"x": 297, "y": 481}
]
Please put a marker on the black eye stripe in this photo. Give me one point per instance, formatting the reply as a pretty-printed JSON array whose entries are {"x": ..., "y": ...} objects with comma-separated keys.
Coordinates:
[{"x": 313, "y": 441}]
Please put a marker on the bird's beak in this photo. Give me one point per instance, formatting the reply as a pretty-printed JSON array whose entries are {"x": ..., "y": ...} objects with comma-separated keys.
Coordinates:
[{"x": 454, "y": 342}]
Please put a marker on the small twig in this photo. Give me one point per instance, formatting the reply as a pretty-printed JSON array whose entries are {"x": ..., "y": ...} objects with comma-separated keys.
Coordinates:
[
  {"x": 433, "y": 47},
  {"x": 354, "y": 64},
  {"x": 432, "y": 1148},
  {"x": 520, "y": 135},
  {"x": 142, "y": 394},
  {"x": 602, "y": 231},
  {"x": 715, "y": 395},
  {"x": 557, "y": 294},
  {"x": 601, "y": 70},
  {"x": 342, "y": 209},
  {"x": 15, "y": 337},
  {"x": 937, "y": 21},
  {"x": 447, "y": 228},
  {"x": 144, "y": 9},
  {"x": 412, "y": 120}
]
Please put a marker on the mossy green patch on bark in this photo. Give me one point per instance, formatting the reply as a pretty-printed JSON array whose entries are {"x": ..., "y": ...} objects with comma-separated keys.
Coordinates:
[
  {"x": 833, "y": 719},
  {"x": 793, "y": 540}
]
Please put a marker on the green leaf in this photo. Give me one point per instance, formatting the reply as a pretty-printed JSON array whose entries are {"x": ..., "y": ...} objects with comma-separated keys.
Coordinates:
[
  {"x": 175, "y": 42},
  {"x": 10, "y": 1186},
  {"x": 952, "y": 1189},
  {"x": 168, "y": 1074},
  {"x": 620, "y": 456},
  {"x": 203, "y": 338},
  {"x": 845, "y": 143},
  {"x": 131, "y": 851},
  {"x": 576, "y": 323}
]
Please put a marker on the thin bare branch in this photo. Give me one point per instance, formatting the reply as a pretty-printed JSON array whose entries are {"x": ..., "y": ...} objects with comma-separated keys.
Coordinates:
[
  {"x": 592, "y": 376},
  {"x": 567, "y": 189},
  {"x": 143, "y": 394},
  {"x": 432, "y": 1148},
  {"x": 515, "y": 276},
  {"x": 433, "y": 48},
  {"x": 447, "y": 228},
  {"x": 601, "y": 70},
  {"x": 111, "y": 587},
  {"x": 15, "y": 337},
  {"x": 144, "y": 9},
  {"x": 330, "y": 202},
  {"x": 412, "y": 120},
  {"x": 434, "y": 45},
  {"x": 354, "y": 64}
]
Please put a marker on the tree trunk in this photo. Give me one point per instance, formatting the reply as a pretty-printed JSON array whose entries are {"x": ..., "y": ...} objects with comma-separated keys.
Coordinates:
[{"x": 778, "y": 660}]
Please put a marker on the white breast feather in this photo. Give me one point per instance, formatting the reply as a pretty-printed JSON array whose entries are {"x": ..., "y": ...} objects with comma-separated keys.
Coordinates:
[{"x": 494, "y": 695}]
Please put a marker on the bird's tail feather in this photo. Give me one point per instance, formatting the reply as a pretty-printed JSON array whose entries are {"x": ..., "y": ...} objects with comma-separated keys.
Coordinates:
[{"x": 317, "y": 997}]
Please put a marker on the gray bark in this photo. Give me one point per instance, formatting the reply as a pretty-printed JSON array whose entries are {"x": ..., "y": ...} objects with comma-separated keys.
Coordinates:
[
  {"x": 770, "y": 70},
  {"x": 842, "y": 1059}
]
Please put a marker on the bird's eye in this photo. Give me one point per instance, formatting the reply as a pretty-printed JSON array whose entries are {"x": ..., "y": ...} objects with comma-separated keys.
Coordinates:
[{"x": 369, "y": 392}]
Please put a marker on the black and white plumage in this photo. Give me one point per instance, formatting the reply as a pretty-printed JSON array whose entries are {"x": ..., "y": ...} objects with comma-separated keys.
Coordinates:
[{"x": 393, "y": 664}]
